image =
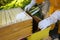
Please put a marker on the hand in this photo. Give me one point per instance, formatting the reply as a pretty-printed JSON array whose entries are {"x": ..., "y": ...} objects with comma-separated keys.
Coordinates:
[
  {"x": 50, "y": 20},
  {"x": 56, "y": 14},
  {"x": 28, "y": 7},
  {"x": 44, "y": 24},
  {"x": 47, "y": 22}
]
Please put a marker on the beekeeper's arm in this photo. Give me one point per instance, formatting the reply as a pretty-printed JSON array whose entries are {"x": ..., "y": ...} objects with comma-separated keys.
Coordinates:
[
  {"x": 50, "y": 20},
  {"x": 27, "y": 8}
]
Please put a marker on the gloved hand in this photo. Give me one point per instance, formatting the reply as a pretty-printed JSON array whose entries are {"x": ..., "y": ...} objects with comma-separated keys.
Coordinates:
[
  {"x": 50, "y": 20},
  {"x": 57, "y": 14},
  {"x": 27, "y": 8},
  {"x": 44, "y": 23}
]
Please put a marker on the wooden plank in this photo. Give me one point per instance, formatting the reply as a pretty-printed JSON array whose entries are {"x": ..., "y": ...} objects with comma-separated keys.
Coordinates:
[
  {"x": 8, "y": 20},
  {"x": 12, "y": 28},
  {"x": 18, "y": 34},
  {"x": 0, "y": 19},
  {"x": 3, "y": 18},
  {"x": 17, "y": 11},
  {"x": 12, "y": 16},
  {"x": 24, "y": 33},
  {"x": 13, "y": 12}
]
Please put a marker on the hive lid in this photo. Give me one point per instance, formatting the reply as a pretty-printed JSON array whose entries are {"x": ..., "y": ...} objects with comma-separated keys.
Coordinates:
[{"x": 11, "y": 16}]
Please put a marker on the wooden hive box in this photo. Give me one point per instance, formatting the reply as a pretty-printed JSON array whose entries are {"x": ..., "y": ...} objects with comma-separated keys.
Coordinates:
[{"x": 14, "y": 24}]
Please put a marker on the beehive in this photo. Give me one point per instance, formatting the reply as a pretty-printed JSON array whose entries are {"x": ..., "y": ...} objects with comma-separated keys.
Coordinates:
[{"x": 14, "y": 24}]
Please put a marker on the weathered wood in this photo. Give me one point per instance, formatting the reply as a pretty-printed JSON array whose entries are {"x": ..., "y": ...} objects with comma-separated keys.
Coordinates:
[
  {"x": 14, "y": 24},
  {"x": 18, "y": 34},
  {"x": 9, "y": 16},
  {"x": 14, "y": 27}
]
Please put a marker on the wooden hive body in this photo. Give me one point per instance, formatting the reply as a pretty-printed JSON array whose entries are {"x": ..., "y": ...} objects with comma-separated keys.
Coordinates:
[{"x": 14, "y": 24}]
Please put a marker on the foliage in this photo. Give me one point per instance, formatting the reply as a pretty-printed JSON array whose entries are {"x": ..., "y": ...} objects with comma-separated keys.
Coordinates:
[{"x": 14, "y": 3}]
